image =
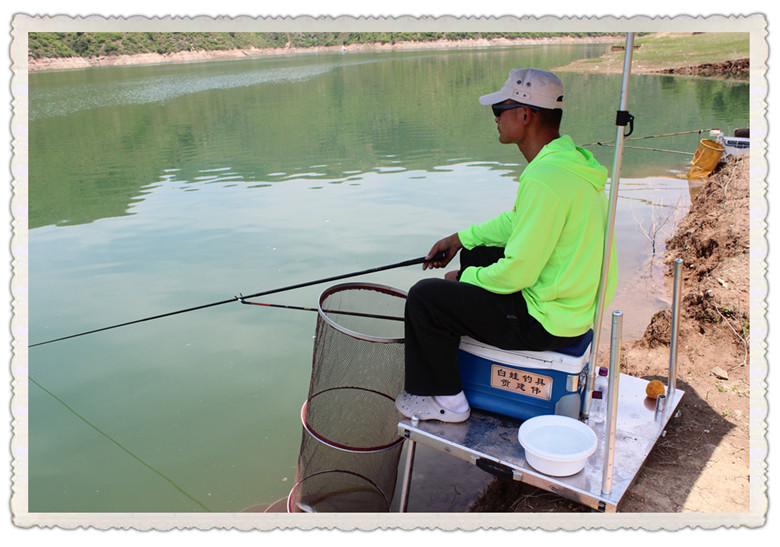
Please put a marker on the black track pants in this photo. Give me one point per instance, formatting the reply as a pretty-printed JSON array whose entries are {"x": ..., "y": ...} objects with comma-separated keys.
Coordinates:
[{"x": 439, "y": 312}]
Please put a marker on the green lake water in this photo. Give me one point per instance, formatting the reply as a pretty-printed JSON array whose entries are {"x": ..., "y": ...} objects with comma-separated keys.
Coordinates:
[{"x": 159, "y": 188}]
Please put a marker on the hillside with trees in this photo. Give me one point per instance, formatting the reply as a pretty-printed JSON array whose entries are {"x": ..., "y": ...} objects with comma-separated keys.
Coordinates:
[{"x": 100, "y": 44}]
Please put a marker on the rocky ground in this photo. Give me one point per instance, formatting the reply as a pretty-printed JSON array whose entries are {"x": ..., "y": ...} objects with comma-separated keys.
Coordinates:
[{"x": 702, "y": 464}]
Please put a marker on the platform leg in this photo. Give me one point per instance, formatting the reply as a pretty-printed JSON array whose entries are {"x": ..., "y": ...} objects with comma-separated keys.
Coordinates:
[
  {"x": 410, "y": 448},
  {"x": 672, "y": 382},
  {"x": 612, "y": 402}
]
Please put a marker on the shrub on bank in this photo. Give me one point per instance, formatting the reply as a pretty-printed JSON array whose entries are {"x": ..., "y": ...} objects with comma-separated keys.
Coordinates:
[{"x": 99, "y": 44}]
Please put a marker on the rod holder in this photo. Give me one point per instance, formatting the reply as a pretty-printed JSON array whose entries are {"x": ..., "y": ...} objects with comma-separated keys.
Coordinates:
[
  {"x": 675, "y": 329},
  {"x": 612, "y": 402},
  {"x": 660, "y": 404}
]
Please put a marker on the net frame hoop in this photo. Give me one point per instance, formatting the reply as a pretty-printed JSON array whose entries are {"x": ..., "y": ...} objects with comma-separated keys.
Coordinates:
[
  {"x": 345, "y": 471},
  {"x": 385, "y": 289},
  {"x": 345, "y": 448}
]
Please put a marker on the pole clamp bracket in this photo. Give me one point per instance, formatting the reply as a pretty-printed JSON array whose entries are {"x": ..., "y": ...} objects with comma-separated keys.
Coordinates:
[{"x": 623, "y": 119}]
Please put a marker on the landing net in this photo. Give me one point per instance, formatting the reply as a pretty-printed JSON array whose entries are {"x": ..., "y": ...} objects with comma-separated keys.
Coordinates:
[{"x": 350, "y": 446}]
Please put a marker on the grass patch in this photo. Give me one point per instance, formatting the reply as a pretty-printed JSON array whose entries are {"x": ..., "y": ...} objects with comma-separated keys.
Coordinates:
[
  {"x": 663, "y": 51},
  {"x": 655, "y": 52}
]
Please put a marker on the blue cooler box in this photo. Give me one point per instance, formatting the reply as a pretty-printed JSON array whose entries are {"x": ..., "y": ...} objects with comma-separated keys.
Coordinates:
[{"x": 524, "y": 384}]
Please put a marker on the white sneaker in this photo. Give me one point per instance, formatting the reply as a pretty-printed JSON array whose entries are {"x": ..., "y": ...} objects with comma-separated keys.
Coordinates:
[{"x": 425, "y": 407}]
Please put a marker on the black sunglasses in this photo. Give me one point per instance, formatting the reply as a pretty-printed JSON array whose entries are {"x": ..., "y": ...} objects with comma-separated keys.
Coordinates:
[{"x": 500, "y": 108}]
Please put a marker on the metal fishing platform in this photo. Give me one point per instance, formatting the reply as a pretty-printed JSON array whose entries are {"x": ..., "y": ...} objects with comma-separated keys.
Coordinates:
[
  {"x": 490, "y": 442},
  {"x": 632, "y": 425}
]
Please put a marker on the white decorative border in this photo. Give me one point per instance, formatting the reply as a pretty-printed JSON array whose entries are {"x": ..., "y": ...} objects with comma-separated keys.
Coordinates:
[{"x": 755, "y": 24}]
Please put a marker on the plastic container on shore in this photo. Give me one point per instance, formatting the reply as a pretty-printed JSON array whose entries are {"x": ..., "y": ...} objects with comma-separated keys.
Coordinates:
[{"x": 598, "y": 403}]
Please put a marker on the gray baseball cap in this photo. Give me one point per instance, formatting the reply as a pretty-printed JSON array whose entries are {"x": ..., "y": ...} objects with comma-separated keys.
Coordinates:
[{"x": 530, "y": 86}]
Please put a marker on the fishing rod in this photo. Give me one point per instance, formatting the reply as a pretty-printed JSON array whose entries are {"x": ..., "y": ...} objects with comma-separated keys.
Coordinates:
[
  {"x": 650, "y": 137},
  {"x": 411, "y": 262}
]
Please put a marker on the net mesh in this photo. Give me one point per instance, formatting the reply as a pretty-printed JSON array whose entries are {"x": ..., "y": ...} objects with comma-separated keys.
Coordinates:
[{"x": 350, "y": 446}]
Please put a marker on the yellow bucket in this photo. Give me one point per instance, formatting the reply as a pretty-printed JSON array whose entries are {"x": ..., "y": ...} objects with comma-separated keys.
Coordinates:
[{"x": 706, "y": 158}]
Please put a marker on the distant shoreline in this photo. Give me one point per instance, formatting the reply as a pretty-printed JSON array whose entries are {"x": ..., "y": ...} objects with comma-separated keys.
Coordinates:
[{"x": 64, "y": 63}]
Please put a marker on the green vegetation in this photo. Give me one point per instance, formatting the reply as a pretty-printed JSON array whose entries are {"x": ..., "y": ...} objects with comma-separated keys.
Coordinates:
[
  {"x": 96, "y": 44},
  {"x": 698, "y": 48},
  {"x": 661, "y": 51}
]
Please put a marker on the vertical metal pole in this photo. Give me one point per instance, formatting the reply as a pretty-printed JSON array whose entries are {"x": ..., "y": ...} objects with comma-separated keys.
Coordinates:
[
  {"x": 612, "y": 402},
  {"x": 675, "y": 328},
  {"x": 410, "y": 448},
  {"x": 613, "y": 194}
]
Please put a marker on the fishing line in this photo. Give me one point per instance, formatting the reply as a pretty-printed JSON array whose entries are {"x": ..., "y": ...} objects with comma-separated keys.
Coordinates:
[
  {"x": 412, "y": 262},
  {"x": 601, "y": 143},
  {"x": 120, "y": 445},
  {"x": 652, "y": 149}
]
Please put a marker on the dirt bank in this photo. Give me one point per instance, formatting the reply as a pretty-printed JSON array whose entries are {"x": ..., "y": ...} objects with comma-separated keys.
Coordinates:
[
  {"x": 702, "y": 464},
  {"x": 737, "y": 68},
  {"x": 61, "y": 63},
  {"x": 733, "y": 68}
]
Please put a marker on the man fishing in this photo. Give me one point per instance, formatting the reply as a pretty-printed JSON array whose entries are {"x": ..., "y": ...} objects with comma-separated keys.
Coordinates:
[{"x": 529, "y": 277}]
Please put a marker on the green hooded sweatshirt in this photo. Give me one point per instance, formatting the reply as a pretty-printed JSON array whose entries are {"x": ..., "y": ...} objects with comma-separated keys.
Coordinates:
[{"x": 553, "y": 240}]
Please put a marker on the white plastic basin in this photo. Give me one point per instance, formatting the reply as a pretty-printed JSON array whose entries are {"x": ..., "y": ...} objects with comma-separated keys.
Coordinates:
[{"x": 556, "y": 445}]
